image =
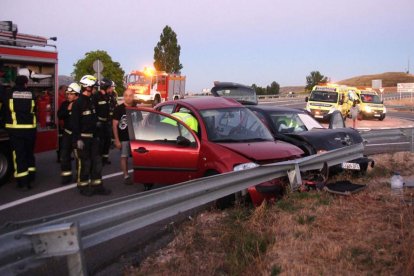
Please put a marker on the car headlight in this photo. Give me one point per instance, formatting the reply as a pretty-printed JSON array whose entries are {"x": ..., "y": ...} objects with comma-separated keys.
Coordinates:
[
  {"x": 368, "y": 109},
  {"x": 245, "y": 166},
  {"x": 308, "y": 108}
]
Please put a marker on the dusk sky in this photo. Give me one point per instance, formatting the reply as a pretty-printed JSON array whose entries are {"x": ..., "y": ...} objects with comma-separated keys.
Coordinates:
[{"x": 231, "y": 40}]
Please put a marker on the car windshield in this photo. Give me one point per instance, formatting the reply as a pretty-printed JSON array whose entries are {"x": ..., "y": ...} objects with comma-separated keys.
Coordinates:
[
  {"x": 139, "y": 79},
  {"x": 324, "y": 96},
  {"x": 370, "y": 98},
  {"x": 234, "y": 125},
  {"x": 240, "y": 94},
  {"x": 293, "y": 122}
]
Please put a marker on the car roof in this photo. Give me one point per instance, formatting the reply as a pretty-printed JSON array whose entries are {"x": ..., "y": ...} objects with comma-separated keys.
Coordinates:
[
  {"x": 209, "y": 102},
  {"x": 272, "y": 108}
]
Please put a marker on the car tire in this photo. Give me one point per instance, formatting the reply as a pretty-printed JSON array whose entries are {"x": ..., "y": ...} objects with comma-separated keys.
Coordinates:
[
  {"x": 224, "y": 202},
  {"x": 6, "y": 163},
  {"x": 382, "y": 117}
]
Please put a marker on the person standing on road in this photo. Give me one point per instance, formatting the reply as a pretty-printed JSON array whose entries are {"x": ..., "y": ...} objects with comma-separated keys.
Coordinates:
[
  {"x": 120, "y": 130},
  {"x": 101, "y": 100},
  {"x": 66, "y": 144},
  {"x": 86, "y": 139},
  {"x": 61, "y": 98},
  {"x": 20, "y": 121},
  {"x": 354, "y": 111}
]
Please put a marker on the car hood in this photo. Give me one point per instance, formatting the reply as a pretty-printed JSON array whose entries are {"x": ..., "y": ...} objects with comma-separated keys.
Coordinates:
[
  {"x": 329, "y": 139},
  {"x": 265, "y": 152}
]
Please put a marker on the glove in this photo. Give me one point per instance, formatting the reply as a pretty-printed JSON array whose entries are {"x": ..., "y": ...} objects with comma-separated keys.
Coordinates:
[{"x": 80, "y": 144}]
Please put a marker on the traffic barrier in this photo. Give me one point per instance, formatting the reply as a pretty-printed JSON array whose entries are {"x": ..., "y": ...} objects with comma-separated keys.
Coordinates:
[
  {"x": 19, "y": 251},
  {"x": 397, "y": 140}
]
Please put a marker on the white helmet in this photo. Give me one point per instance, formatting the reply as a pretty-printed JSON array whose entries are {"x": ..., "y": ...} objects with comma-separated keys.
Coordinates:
[
  {"x": 73, "y": 88},
  {"x": 88, "y": 81},
  {"x": 24, "y": 72}
]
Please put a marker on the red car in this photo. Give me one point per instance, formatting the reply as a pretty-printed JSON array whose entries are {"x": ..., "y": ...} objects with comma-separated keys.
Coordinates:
[{"x": 228, "y": 137}]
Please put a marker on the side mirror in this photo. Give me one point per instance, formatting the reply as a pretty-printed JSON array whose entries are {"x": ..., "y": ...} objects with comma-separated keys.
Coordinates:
[
  {"x": 182, "y": 141},
  {"x": 336, "y": 120},
  {"x": 306, "y": 99}
]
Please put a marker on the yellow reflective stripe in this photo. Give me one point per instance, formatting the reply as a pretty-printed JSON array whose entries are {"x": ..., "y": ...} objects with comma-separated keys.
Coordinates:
[
  {"x": 32, "y": 169},
  {"x": 102, "y": 119},
  {"x": 68, "y": 131},
  {"x": 87, "y": 112},
  {"x": 105, "y": 155},
  {"x": 83, "y": 184},
  {"x": 32, "y": 111},
  {"x": 19, "y": 126},
  {"x": 66, "y": 173},
  {"x": 96, "y": 182},
  {"x": 13, "y": 114},
  {"x": 22, "y": 174},
  {"x": 87, "y": 135},
  {"x": 102, "y": 102}
]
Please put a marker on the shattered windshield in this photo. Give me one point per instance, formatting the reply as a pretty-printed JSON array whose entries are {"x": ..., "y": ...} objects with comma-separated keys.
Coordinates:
[{"x": 234, "y": 125}]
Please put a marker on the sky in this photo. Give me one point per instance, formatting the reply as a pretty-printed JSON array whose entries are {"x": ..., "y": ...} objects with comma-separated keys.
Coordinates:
[{"x": 250, "y": 42}]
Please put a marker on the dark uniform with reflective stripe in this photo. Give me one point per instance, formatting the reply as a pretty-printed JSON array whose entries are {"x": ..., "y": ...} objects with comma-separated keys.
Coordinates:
[
  {"x": 20, "y": 122},
  {"x": 83, "y": 122},
  {"x": 102, "y": 102},
  {"x": 66, "y": 146}
]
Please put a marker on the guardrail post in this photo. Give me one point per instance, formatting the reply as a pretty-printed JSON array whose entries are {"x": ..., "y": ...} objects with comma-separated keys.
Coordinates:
[
  {"x": 295, "y": 178},
  {"x": 60, "y": 240}
]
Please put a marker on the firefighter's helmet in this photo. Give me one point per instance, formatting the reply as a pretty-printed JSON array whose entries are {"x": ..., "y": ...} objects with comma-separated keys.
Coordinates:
[
  {"x": 88, "y": 81},
  {"x": 73, "y": 88},
  {"x": 105, "y": 83},
  {"x": 113, "y": 84}
]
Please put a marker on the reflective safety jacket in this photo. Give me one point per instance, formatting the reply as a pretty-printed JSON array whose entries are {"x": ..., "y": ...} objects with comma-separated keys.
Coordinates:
[
  {"x": 19, "y": 108},
  {"x": 187, "y": 118},
  {"x": 83, "y": 118}
]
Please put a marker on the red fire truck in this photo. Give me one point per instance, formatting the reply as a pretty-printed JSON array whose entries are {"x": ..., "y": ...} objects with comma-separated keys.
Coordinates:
[
  {"x": 153, "y": 87},
  {"x": 32, "y": 54}
]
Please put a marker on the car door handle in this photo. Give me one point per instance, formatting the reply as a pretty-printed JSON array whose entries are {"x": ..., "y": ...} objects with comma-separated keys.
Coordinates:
[{"x": 141, "y": 150}]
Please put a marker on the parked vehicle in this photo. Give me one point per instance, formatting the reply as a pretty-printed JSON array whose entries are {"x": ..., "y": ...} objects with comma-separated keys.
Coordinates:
[
  {"x": 39, "y": 61},
  {"x": 370, "y": 105},
  {"x": 297, "y": 127},
  {"x": 325, "y": 99},
  {"x": 153, "y": 87},
  {"x": 229, "y": 137}
]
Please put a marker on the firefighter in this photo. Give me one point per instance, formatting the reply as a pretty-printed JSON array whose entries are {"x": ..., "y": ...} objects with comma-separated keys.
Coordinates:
[
  {"x": 61, "y": 98},
  {"x": 20, "y": 122},
  {"x": 86, "y": 139},
  {"x": 102, "y": 102},
  {"x": 66, "y": 145}
]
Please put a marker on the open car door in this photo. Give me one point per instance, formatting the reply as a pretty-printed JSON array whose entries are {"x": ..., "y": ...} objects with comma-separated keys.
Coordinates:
[
  {"x": 164, "y": 150},
  {"x": 336, "y": 120}
]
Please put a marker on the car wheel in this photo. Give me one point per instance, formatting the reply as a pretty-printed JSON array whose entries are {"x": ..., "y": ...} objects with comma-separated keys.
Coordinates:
[
  {"x": 6, "y": 165},
  {"x": 224, "y": 202},
  {"x": 382, "y": 117}
]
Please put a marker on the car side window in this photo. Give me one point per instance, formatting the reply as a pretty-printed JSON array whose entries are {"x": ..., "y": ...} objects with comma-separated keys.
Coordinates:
[{"x": 168, "y": 108}]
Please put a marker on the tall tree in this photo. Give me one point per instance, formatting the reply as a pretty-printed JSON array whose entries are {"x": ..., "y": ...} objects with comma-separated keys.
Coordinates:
[
  {"x": 315, "y": 78},
  {"x": 273, "y": 89},
  {"x": 111, "y": 69},
  {"x": 167, "y": 52}
]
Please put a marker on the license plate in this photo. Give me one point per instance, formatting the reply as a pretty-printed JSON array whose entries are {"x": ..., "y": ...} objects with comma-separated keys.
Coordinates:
[
  {"x": 351, "y": 166},
  {"x": 318, "y": 116},
  {"x": 377, "y": 115}
]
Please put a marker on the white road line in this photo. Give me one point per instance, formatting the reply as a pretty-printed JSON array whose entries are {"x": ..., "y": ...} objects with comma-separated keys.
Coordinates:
[{"x": 50, "y": 192}]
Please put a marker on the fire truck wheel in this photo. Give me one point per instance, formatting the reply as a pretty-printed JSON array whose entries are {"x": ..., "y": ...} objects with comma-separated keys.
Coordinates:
[{"x": 6, "y": 165}]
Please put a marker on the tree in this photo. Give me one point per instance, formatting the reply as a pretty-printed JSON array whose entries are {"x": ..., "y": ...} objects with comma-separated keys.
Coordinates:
[
  {"x": 269, "y": 90},
  {"x": 167, "y": 52},
  {"x": 111, "y": 69},
  {"x": 315, "y": 78}
]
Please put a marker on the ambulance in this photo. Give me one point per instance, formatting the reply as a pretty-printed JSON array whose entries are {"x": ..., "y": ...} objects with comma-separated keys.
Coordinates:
[
  {"x": 370, "y": 105},
  {"x": 325, "y": 99}
]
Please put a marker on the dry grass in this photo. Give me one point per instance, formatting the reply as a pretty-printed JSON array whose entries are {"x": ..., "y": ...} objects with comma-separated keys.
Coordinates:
[
  {"x": 388, "y": 79},
  {"x": 313, "y": 233}
]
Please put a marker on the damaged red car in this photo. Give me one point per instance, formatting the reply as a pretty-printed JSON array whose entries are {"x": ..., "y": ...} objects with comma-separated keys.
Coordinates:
[{"x": 225, "y": 136}]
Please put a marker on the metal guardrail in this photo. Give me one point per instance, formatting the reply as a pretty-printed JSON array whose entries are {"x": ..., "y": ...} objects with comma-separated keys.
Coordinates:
[
  {"x": 388, "y": 140},
  {"x": 28, "y": 247}
]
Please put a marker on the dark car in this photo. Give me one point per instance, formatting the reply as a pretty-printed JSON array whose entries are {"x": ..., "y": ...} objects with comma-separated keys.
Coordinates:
[
  {"x": 297, "y": 127},
  {"x": 228, "y": 137}
]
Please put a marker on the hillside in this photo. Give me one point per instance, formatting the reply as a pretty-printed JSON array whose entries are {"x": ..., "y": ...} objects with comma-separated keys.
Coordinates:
[{"x": 389, "y": 79}]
